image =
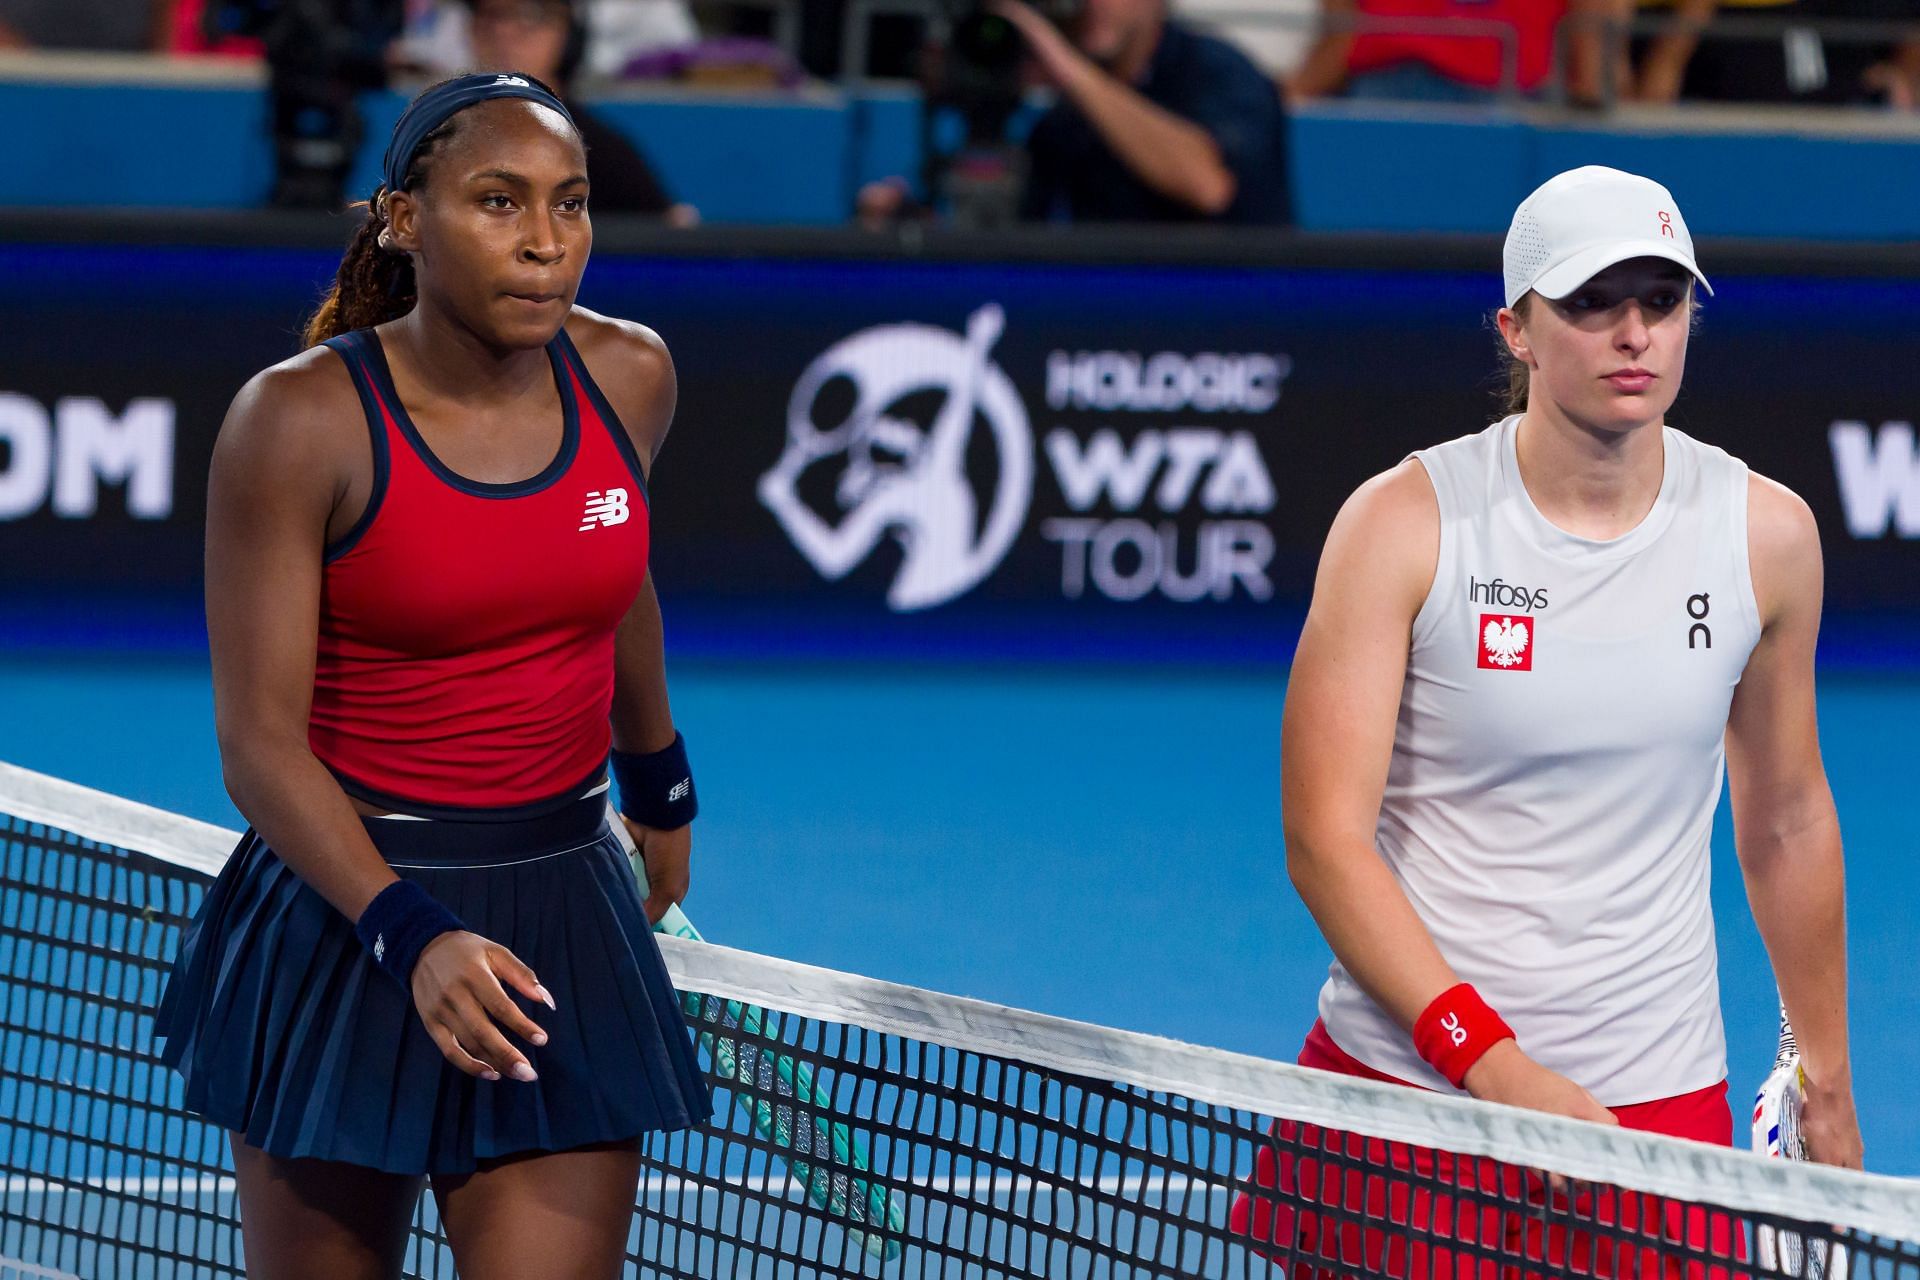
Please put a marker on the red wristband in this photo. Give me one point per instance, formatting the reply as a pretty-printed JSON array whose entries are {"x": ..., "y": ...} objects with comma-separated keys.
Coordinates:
[{"x": 1455, "y": 1030}]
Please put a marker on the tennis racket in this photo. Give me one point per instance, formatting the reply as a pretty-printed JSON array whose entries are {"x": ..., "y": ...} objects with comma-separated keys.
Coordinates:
[
  {"x": 870, "y": 1215},
  {"x": 1777, "y": 1133}
]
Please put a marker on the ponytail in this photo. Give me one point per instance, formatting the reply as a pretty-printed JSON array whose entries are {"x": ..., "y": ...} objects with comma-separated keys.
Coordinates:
[
  {"x": 1518, "y": 375},
  {"x": 374, "y": 284}
]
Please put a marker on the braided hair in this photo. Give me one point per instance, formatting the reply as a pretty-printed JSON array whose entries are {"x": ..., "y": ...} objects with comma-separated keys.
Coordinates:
[{"x": 375, "y": 281}]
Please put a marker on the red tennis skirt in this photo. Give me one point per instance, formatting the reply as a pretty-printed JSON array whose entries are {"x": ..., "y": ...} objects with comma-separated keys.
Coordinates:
[{"x": 1413, "y": 1213}]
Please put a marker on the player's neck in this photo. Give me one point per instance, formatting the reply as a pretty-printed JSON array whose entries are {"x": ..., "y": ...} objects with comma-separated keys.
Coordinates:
[
  {"x": 1590, "y": 482},
  {"x": 448, "y": 361}
]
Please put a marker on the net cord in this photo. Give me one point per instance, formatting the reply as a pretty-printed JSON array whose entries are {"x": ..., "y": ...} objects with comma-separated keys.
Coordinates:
[{"x": 1871, "y": 1203}]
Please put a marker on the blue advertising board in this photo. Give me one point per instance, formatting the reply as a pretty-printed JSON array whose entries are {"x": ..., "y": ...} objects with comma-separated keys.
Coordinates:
[{"x": 959, "y": 456}]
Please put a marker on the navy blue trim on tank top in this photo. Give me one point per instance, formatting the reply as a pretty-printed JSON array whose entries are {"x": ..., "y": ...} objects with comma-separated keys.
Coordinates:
[
  {"x": 569, "y": 433},
  {"x": 611, "y": 420},
  {"x": 470, "y": 813},
  {"x": 350, "y": 347}
]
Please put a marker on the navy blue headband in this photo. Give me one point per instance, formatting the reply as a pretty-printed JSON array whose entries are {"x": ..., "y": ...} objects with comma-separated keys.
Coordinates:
[{"x": 439, "y": 104}]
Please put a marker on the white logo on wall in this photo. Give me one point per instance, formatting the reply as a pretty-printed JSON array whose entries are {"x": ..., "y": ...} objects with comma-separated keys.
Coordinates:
[
  {"x": 1879, "y": 477},
  {"x": 62, "y": 458},
  {"x": 1173, "y": 469},
  {"x": 897, "y": 477}
]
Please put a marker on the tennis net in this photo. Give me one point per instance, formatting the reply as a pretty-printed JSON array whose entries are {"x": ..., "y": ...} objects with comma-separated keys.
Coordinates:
[{"x": 867, "y": 1129}]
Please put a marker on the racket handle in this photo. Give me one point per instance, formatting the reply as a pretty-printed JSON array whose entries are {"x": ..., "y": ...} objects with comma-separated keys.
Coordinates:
[{"x": 1789, "y": 1048}]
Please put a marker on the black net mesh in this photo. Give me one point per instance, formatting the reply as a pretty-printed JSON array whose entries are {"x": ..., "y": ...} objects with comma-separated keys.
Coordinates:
[{"x": 835, "y": 1150}]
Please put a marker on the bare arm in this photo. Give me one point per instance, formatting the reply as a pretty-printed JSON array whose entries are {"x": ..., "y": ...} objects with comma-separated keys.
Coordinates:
[
  {"x": 1324, "y": 70},
  {"x": 1665, "y": 65},
  {"x": 1343, "y": 696},
  {"x": 1169, "y": 153},
  {"x": 634, "y": 370},
  {"x": 1598, "y": 44},
  {"x": 1785, "y": 828},
  {"x": 279, "y": 473}
]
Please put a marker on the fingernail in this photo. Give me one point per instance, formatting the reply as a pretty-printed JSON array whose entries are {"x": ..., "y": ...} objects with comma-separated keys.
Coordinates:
[
  {"x": 524, "y": 1073},
  {"x": 545, "y": 995},
  {"x": 489, "y": 1075},
  {"x": 538, "y": 1037}
]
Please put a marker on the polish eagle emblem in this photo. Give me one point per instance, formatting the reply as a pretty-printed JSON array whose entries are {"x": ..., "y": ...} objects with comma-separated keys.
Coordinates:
[{"x": 1506, "y": 640}]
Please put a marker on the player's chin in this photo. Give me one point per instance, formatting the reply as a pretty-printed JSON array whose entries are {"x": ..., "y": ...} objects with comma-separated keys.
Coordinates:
[
  {"x": 517, "y": 321},
  {"x": 1624, "y": 411}
]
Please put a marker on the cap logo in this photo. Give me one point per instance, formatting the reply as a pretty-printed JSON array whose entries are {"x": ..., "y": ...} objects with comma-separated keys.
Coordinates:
[{"x": 1666, "y": 225}]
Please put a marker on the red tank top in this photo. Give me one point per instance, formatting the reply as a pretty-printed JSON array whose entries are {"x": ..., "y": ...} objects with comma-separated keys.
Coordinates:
[
  {"x": 465, "y": 656},
  {"x": 1474, "y": 60}
]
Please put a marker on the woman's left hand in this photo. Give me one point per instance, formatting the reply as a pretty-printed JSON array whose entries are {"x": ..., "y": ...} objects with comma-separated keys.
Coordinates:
[
  {"x": 1827, "y": 1117},
  {"x": 668, "y": 858}
]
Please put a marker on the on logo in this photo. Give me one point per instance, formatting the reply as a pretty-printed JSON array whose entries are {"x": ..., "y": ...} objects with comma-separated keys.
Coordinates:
[
  {"x": 1506, "y": 642},
  {"x": 850, "y": 422},
  {"x": 1699, "y": 634}
]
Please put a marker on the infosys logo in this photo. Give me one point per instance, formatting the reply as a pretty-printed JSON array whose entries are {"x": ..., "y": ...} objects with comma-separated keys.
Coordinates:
[{"x": 1504, "y": 595}]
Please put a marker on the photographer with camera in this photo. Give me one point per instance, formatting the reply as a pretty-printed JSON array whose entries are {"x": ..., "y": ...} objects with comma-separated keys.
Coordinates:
[{"x": 1156, "y": 122}]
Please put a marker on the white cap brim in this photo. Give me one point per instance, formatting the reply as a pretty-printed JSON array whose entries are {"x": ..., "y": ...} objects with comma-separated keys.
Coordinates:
[{"x": 1564, "y": 277}]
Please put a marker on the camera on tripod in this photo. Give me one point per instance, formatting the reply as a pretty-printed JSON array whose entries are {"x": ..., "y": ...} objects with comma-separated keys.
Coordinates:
[
  {"x": 320, "y": 55},
  {"x": 971, "y": 82}
]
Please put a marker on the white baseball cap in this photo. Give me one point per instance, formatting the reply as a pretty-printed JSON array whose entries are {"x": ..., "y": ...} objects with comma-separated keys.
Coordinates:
[{"x": 1578, "y": 223}]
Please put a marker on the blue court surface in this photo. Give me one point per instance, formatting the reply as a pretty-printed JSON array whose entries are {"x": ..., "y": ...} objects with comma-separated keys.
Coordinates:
[{"x": 1101, "y": 843}]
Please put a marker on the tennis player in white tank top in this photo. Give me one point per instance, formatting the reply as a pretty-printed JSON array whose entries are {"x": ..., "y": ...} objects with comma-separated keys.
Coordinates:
[{"x": 1529, "y": 655}]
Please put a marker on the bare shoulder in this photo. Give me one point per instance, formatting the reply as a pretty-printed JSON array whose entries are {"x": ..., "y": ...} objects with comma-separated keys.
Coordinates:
[
  {"x": 288, "y": 418},
  {"x": 1783, "y": 547},
  {"x": 616, "y": 338},
  {"x": 1402, "y": 493},
  {"x": 630, "y": 363},
  {"x": 1778, "y": 517},
  {"x": 1389, "y": 529}
]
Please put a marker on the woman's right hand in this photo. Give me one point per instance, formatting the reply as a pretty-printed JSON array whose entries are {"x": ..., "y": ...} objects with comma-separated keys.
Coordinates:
[
  {"x": 1505, "y": 1074},
  {"x": 457, "y": 990}
]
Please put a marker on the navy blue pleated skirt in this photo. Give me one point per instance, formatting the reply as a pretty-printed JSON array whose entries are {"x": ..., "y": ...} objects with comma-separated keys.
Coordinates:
[{"x": 287, "y": 1033}]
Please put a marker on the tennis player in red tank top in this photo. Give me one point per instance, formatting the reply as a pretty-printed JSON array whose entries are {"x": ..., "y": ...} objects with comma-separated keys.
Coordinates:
[{"x": 428, "y": 595}]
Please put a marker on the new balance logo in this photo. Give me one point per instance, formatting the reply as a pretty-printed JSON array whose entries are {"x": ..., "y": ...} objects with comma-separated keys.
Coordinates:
[
  {"x": 681, "y": 790},
  {"x": 519, "y": 82},
  {"x": 605, "y": 509},
  {"x": 379, "y": 947}
]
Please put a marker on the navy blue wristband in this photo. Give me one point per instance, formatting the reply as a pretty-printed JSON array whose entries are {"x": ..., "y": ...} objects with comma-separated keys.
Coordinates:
[
  {"x": 656, "y": 788},
  {"x": 397, "y": 926}
]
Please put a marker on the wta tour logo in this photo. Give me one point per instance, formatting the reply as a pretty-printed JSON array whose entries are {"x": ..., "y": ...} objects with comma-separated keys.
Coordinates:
[{"x": 851, "y": 422}]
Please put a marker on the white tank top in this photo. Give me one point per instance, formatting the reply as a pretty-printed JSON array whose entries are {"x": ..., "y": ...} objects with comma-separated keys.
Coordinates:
[{"x": 1556, "y": 764}]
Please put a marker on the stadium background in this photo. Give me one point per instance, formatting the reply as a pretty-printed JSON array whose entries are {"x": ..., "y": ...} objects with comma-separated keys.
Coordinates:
[{"x": 1050, "y": 788}]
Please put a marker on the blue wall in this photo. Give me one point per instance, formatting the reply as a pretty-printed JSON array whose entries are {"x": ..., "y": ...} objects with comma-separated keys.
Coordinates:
[{"x": 800, "y": 159}]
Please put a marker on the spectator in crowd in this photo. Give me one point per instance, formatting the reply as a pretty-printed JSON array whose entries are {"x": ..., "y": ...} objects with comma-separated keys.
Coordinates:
[
  {"x": 1155, "y": 122},
  {"x": 547, "y": 39},
  {"x": 439, "y": 40},
  {"x": 1430, "y": 66},
  {"x": 1797, "y": 66},
  {"x": 126, "y": 26}
]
